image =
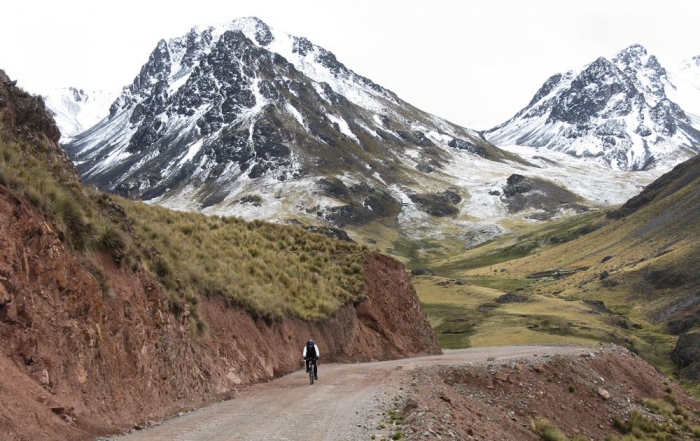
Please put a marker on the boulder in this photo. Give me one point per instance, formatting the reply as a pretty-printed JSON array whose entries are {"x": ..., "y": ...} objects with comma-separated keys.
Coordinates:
[
  {"x": 422, "y": 272},
  {"x": 687, "y": 354},
  {"x": 511, "y": 298}
]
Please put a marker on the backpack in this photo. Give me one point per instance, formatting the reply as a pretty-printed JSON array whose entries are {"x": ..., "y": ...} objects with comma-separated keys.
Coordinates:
[{"x": 310, "y": 351}]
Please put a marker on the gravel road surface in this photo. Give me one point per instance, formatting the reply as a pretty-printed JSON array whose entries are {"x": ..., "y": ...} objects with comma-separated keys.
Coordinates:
[{"x": 346, "y": 403}]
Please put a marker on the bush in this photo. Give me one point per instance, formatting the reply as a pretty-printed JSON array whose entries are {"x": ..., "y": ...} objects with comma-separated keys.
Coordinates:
[
  {"x": 111, "y": 238},
  {"x": 398, "y": 435},
  {"x": 547, "y": 431}
]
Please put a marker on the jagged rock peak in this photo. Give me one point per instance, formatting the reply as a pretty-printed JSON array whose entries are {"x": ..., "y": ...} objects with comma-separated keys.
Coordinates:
[
  {"x": 634, "y": 51},
  {"x": 636, "y": 56},
  {"x": 691, "y": 63},
  {"x": 172, "y": 62}
]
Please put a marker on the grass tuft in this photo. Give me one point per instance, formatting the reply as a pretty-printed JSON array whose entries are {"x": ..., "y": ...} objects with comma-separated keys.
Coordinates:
[{"x": 546, "y": 430}]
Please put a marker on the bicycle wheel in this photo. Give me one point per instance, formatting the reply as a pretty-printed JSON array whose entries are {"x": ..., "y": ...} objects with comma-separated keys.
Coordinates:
[{"x": 311, "y": 373}]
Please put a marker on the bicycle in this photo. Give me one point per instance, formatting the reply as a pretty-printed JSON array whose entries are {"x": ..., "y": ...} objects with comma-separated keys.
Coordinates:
[{"x": 310, "y": 369}]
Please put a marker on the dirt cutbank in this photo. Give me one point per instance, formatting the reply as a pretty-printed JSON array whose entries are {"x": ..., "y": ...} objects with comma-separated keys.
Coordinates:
[{"x": 77, "y": 364}]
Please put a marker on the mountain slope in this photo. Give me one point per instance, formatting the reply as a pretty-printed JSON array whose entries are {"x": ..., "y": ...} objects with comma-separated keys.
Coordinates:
[
  {"x": 622, "y": 111},
  {"x": 241, "y": 119},
  {"x": 640, "y": 264}
]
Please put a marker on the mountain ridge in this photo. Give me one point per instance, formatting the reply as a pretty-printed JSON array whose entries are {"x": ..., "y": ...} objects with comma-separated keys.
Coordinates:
[
  {"x": 211, "y": 123},
  {"x": 620, "y": 110},
  {"x": 243, "y": 120},
  {"x": 77, "y": 110}
]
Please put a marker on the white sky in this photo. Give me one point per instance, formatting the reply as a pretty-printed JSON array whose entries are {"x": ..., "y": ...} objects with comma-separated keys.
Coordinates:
[{"x": 475, "y": 63}]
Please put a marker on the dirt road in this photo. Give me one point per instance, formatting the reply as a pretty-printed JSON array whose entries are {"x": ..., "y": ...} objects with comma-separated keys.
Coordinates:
[{"x": 346, "y": 403}]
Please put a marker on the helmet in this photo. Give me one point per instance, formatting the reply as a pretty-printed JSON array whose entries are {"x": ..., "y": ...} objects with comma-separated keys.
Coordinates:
[{"x": 310, "y": 342}]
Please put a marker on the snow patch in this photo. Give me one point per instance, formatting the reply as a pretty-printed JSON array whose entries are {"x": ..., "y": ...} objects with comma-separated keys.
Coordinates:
[
  {"x": 344, "y": 128},
  {"x": 295, "y": 113}
]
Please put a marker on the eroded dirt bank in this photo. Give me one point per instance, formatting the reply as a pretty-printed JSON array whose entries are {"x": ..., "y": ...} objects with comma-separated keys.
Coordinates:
[
  {"x": 77, "y": 363},
  {"x": 581, "y": 394}
]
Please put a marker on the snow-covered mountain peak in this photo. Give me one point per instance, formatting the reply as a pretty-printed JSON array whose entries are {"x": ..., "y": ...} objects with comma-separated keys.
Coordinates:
[
  {"x": 239, "y": 118},
  {"x": 634, "y": 54},
  {"x": 175, "y": 60},
  {"x": 645, "y": 72},
  {"x": 622, "y": 111},
  {"x": 76, "y": 110}
]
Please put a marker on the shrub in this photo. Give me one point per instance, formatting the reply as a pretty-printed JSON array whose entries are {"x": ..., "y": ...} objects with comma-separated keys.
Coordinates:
[
  {"x": 398, "y": 435},
  {"x": 696, "y": 432},
  {"x": 111, "y": 238},
  {"x": 546, "y": 430}
]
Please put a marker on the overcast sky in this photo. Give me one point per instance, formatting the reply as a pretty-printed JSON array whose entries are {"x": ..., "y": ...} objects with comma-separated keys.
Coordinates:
[{"x": 475, "y": 63}]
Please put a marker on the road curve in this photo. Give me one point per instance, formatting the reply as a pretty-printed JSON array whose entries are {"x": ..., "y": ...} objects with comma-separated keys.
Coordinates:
[{"x": 345, "y": 403}]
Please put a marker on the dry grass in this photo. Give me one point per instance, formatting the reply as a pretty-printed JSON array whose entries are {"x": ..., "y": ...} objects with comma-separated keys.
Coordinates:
[
  {"x": 272, "y": 270},
  {"x": 676, "y": 422},
  {"x": 547, "y": 431},
  {"x": 39, "y": 176},
  {"x": 469, "y": 316}
]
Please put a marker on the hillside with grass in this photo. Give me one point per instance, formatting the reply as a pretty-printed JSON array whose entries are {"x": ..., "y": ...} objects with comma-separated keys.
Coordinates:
[
  {"x": 628, "y": 276},
  {"x": 271, "y": 270},
  {"x": 113, "y": 312}
]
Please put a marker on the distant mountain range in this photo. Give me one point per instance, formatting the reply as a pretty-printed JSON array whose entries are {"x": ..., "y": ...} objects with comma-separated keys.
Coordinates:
[
  {"x": 241, "y": 119},
  {"x": 76, "y": 110},
  {"x": 629, "y": 111}
]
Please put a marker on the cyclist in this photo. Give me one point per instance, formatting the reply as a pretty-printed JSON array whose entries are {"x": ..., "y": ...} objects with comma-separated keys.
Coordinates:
[{"x": 311, "y": 352}]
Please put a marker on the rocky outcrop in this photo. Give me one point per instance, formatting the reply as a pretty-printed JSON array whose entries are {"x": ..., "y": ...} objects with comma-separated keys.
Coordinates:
[
  {"x": 544, "y": 199},
  {"x": 687, "y": 355},
  {"x": 25, "y": 115}
]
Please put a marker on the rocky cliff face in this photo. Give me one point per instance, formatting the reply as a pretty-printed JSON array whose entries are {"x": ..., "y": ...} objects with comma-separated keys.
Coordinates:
[
  {"x": 79, "y": 360},
  {"x": 622, "y": 111},
  {"x": 25, "y": 117}
]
